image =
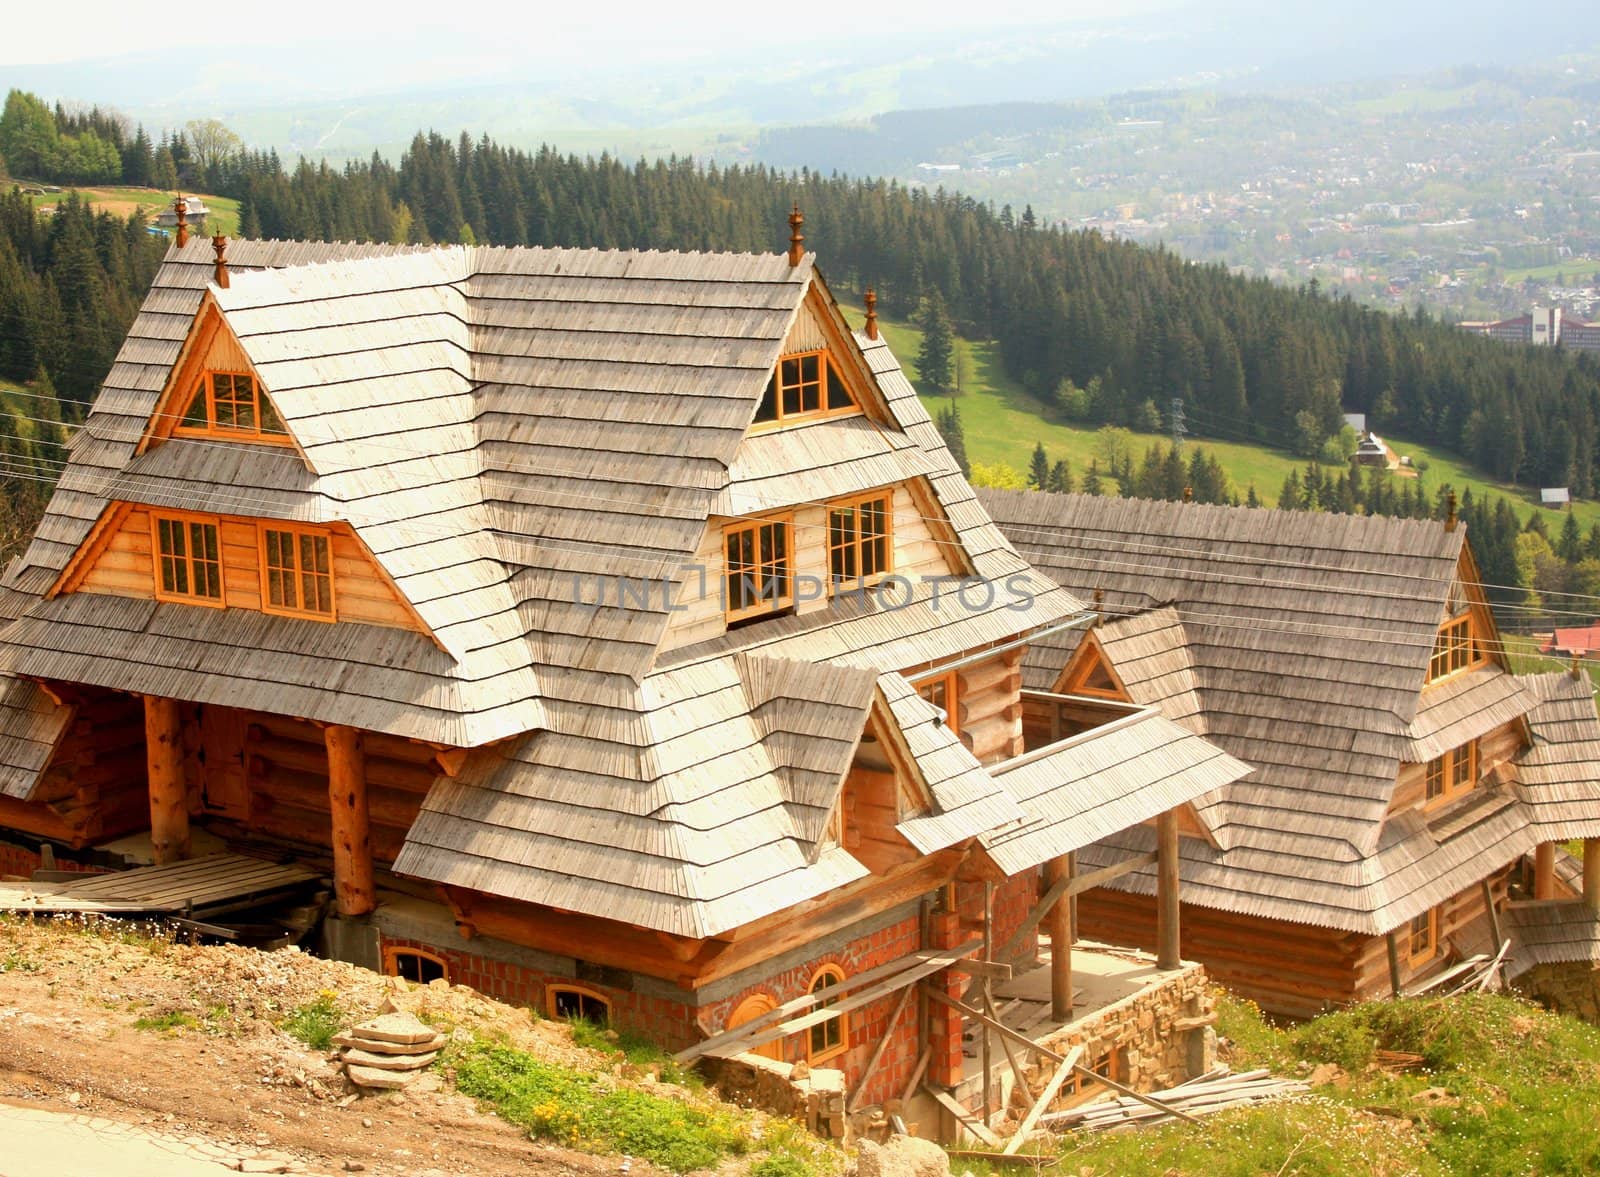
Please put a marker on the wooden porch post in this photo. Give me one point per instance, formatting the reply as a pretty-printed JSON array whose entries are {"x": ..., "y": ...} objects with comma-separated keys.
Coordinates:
[
  {"x": 1167, "y": 953},
  {"x": 986, "y": 986},
  {"x": 1060, "y": 943},
  {"x": 1544, "y": 870},
  {"x": 352, "y": 835},
  {"x": 1591, "y": 874},
  {"x": 169, "y": 792},
  {"x": 1392, "y": 946}
]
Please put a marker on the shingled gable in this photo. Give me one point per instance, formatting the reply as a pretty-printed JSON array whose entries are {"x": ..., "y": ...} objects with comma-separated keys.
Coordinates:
[{"x": 1300, "y": 644}]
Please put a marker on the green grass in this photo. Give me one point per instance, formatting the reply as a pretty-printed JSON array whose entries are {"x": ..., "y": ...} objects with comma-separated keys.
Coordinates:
[
  {"x": 224, "y": 216},
  {"x": 1002, "y": 423},
  {"x": 316, "y": 1022},
  {"x": 635, "y": 1048},
  {"x": 167, "y": 1023},
  {"x": 1576, "y": 268},
  {"x": 1512, "y": 1091},
  {"x": 586, "y": 1110}
]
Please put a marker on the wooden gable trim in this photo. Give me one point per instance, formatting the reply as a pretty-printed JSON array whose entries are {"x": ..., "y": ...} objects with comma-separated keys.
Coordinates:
[
  {"x": 91, "y": 549},
  {"x": 853, "y": 366},
  {"x": 187, "y": 370},
  {"x": 939, "y": 526},
  {"x": 1086, "y": 659},
  {"x": 911, "y": 786}
]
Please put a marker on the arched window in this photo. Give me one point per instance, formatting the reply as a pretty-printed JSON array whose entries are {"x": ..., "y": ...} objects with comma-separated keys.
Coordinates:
[
  {"x": 569, "y": 1001},
  {"x": 831, "y": 1037},
  {"x": 749, "y": 1010},
  {"x": 415, "y": 965}
]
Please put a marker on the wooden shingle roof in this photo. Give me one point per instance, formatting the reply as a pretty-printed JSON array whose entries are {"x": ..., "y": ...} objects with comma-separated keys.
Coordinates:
[
  {"x": 496, "y": 425},
  {"x": 1298, "y": 643}
]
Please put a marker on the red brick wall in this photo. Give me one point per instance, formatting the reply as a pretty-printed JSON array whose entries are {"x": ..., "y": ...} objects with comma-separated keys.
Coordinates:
[
  {"x": 20, "y": 861},
  {"x": 676, "y": 1025},
  {"x": 1013, "y": 900}
]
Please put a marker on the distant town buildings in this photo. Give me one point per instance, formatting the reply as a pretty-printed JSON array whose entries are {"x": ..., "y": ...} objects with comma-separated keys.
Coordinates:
[{"x": 1542, "y": 326}]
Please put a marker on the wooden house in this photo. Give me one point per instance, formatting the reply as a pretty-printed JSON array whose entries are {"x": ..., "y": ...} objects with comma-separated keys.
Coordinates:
[
  {"x": 1401, "y": 772},
  {"x": 614, "y": 628}
]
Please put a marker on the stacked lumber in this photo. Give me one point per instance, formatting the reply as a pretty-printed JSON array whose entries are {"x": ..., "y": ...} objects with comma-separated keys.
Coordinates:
[
  {"x": 1213, "y": 1092},
  {"x": 389, "y": 1051}
]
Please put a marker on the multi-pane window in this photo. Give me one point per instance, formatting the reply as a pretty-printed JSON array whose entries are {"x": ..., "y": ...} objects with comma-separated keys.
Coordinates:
[
  {"x": 859, "y": 549},
  {"x": 231, "y": 403},
  {"x": 1454, "y": 772},
  {"x": 188, "y": 559},
  {"x": 1422, "y": 937},
  {"x": 827, "y": 1038},
  {"x": 759, "y": 574},
  {"x": 943, "y": 691},
  {"x": 1454, "y": 649},
  {"x": 296, "y": 572},
  {"x": 804, "y": 385}
]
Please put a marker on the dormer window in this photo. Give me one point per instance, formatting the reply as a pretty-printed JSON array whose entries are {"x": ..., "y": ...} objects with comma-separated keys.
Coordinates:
[
  {"x": 1450, "y": 775},
  {"x": 231, "y": 404},
  {"x": 1455, "y": 648},
  {"x": 759, "y": 576},
  {"x": 859, "y": 551},
  {"x": 804, "y": 386}
]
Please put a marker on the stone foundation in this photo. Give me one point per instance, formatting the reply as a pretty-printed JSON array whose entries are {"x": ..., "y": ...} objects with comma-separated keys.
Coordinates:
[
  {"x": 1571, "y": 987},
  {"x": 1157, "y": 1037},
  {"x": 814, "y": 1097}
]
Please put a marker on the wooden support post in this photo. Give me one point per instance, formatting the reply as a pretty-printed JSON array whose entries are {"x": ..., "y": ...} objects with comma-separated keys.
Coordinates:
[
  {"x": 1393, "y": 947},
  {"x": 352, "y": 833},
  {"x": 1494, "y": 915},
  {"x": 169, "y": 793},
  {"x": 1544, "y": 871},
  {"x": 1057, "y": 870},
  {"x": 1167, "y": 953},
  {"x": 1591, "y": 874},
  {"x": 987, "y": 989}
]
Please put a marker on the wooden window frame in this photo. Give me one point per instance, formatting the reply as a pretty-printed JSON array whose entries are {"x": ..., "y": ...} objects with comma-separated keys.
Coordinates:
[
  {"x": 299, "y": 532},
  {"x": 258, "y": 398},
  {"x": 825, "y": 365},
  {"x": 1455, "y": 652},
  {"x": 393, "y": 952},
  {"x": 1446, "y": 777},
  {"x": 552, "y": 992},
  {"x": 857, "y": 545},
  {"x": 763, "y": 606},
  {"x": 186, "y": 519},
  {"x": 837, "y": 1029},
  {"x": 951, "y": 680},
  {"x": 753, "y": 1006},
  {"x": 1079, "y": 1088},
  {"x": 1415, "y": 956}
]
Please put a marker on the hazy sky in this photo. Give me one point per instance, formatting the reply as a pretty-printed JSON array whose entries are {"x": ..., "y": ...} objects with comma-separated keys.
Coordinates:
[{"x": 42, "y": 33}]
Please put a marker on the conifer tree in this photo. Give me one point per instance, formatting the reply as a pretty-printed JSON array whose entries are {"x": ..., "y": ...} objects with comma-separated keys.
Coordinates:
[{"x": 1039, "y": 468}]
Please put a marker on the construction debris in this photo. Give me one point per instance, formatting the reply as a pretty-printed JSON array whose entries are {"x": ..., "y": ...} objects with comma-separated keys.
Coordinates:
[
  {"x": 389, "y": 1051},
  {"x": 1212, "y": 1092}
]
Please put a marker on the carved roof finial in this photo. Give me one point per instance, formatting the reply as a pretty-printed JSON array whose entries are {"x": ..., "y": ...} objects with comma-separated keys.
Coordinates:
[
  {"x": 872, "y": 313},
  {"x": 1099, "y": 607},
  {"x": 1188, "y": 494},
  {"x": 1576, "y": 670},
  {"x": 220, "y": 244},
  {"x": 181, "y": 207},
  {"x": 1450, "y": 511},
  {"x": 796, "y": 238}
]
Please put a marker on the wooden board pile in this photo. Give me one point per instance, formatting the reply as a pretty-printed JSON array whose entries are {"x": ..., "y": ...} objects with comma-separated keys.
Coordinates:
[
  {"x": 1214, "y": 1091},
  {"x": 388, "y": 1052}
]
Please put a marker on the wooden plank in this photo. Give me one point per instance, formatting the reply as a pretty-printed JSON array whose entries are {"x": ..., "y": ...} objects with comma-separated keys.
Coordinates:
[
  {"x": 998, "y": 1027},
  {"x": 917, "y": 1073},
  {"x": 1149, "y": 1100},
  {"x": 1051, "y": 1089},
  {"x": 963, "y": 1117},
  {"x": 1167, "y": 953},
  {"x": 1011, "y": 1055},
  {"x": 877, "y": 1053},
  {"x": 806, "y": 1001}
]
